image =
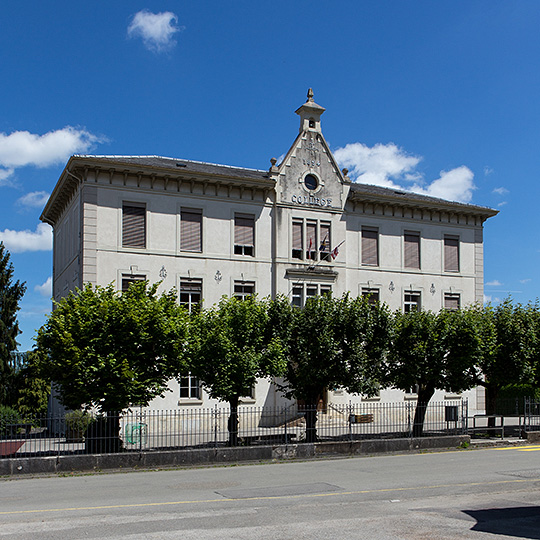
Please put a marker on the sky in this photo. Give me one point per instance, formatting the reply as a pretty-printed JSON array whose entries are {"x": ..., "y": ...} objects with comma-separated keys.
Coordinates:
[{"x": 441, "y": 98}]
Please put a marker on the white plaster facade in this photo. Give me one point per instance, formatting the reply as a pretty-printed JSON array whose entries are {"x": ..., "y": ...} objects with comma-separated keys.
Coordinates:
[{"x": 306, "y": 194}]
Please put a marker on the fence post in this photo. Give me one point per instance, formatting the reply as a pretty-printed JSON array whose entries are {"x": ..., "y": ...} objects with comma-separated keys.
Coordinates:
[
  {"x": 349, "y": 418},
  {"x": 215, "y": 425}
]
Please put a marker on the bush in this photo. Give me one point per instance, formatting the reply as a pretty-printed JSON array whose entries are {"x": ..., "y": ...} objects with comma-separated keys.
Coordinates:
[
  {"x": 77, "y": 423},
  {"x": 8, "y": 416}
]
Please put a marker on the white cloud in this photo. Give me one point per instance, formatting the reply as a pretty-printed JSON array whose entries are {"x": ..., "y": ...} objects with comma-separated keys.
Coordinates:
[
  {"x": 527, "y": 280},
  {"x": 390, "y": 166},
  {"x": 22, "y": 148},
  {"x": 487, "y": 298},
  {"x": 454, "y": 185},
  {"x": 155, "y": 29},
  {"x": 494, "y": 283},
  {"x": 487, "y": 170},
  {"x": 21, "y": 241},
  {"x": 379, "y": 165},
  {"x": 500, "y": 191},
  {"x": 502, "y": 203},
  {"x": 46, "y": 288},
  {"x": 35, "y": 199}
]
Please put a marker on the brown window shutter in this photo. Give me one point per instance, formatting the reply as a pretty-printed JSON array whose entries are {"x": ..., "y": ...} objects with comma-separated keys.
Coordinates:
[
  {"x": 370, "y": 248},
  {"x": 133, "y": 226},
  {"x": 190, "y": 230},
  {"x": 324, "y": 247},
  {"x": 412, "y": 250},
  {"x": 311, "y": 238},
  {"x": 244, "y": 228},
  {"x": 451, "y": 254},
  {"x": 451, "y": 302},
  {"x": 297, "y": 235}
]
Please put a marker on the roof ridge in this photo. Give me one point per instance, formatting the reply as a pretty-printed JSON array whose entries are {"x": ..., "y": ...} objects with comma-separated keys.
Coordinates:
[{"x": 169, "y": 158}]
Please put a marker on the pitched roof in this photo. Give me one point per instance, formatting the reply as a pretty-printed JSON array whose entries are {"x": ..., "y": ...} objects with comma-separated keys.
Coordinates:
[{"x": 179, "y": 165}]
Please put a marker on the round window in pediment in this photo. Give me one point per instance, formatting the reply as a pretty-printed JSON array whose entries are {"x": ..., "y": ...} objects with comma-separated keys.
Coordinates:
[{"x": 311, "y": 182}]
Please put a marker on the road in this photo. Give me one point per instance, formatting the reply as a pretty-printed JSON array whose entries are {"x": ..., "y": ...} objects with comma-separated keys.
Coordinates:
[{"x": 487, "y": 493}]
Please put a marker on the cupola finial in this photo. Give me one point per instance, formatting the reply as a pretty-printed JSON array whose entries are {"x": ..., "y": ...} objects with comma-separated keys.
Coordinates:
[{"x": 309, "y": 95}]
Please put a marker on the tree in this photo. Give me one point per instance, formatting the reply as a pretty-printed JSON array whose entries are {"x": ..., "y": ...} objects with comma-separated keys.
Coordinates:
[
  {"x": 511, "y": 340},
  {"x": 332, "y": 343},
  {"x": 30, "y": 390},
  {"x": 109, "y": 350},
  {"x": 433, "y": 351},
  {"x": 11, "y": 294},
  {"x": 231, "y": 347}
]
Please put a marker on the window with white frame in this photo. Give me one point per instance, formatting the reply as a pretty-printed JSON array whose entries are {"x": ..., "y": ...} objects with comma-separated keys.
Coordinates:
[
  {"x": 300, "y": 292},
  {"x": 190, "y": 387},
  {"x": 128, "y": 279},
  {"x": 244, "y": 234},
  {"x": 243, "y": 289},
  {"x": 191, "y": 293},
  {"x": 191, "y": 230},
  {"x": 411, "y": 302},
  {"x": 372, "y": 295},
  {"x": 411, "y": 249},
  {"x": 311, "y": 239},
  {"x": 133, "y": 225},
  {"x": 370, "y": 246},
  {"x": 451, "y": 254},
  {"x": 452, "y": 301}
]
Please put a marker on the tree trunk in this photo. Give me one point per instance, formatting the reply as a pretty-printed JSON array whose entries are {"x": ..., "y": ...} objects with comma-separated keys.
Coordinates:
[
  {"x": 492, "y": 393},
  {"x": 232, "y": 423},
  {"x": 103, "y": 435},
  {"x": 424, "y": 395}
]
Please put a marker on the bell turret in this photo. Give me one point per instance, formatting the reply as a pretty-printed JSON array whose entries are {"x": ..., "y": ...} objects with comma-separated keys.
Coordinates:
[{"x": 310, "y": 114}]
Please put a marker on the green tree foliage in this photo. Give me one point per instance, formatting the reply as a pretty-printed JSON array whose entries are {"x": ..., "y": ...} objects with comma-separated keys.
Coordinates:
[
  {"x": 230, "y": 348},
  {"x": 510, "y": 335},
  {"x": 31, "y": 390},
  {"x": 331, "y": 343},
  {"x": 109, "y": 350},
  {"x": 11, "y": 294},
  {"x": 433, "y": 351}
]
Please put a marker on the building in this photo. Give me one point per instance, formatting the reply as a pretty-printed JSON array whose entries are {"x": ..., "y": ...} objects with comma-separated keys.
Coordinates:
[{"x": 299, "y": 228}]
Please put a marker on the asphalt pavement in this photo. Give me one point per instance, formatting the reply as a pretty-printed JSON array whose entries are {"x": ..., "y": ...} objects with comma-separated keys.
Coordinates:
[{"x": 484, "y": 493}]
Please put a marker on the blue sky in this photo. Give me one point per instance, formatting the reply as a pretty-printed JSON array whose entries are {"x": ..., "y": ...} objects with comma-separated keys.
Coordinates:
[{"x": 438, "y": 97}]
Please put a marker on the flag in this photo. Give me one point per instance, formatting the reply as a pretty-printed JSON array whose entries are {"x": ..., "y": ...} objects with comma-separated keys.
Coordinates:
[
  {"x": 323, "y": 246},
  {"x": 335, "y": 251}
]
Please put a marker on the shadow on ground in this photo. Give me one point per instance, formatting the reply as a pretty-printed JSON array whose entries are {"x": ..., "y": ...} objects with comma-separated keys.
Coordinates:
[{"x": 519, "y": 522}]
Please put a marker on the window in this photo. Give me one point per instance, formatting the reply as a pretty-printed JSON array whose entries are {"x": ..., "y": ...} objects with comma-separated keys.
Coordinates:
[
  {"x": 324, "y": 247},
  {"x": 311, "y": 240},
  {"x": 133, "y": 226},
  {"x": 302, "y": 291},
  {"x": 297, "y": 239},
  {"x": 190, "y": 293},
  {"x": 243, "y": 289},
  {"x": 412, "y": 302},
  {"x": 451, "y": 254},
  {"x": 297, "y": 296},
  {"x": 370, "y": 247},
  {"x": 372, "y": 295},
  {"x": 191, "y": 230},
  {"x": 452, "y": 301},
  {"x": 412, "y": 249},
  {"x": 128, "y": 279},
  {"x": 244, "y": 235},
  {"x": 190, "y": 387}
]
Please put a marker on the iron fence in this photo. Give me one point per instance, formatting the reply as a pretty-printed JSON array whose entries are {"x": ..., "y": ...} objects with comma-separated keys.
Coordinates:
[{"x": 140, "y": 430}]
